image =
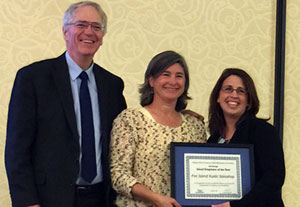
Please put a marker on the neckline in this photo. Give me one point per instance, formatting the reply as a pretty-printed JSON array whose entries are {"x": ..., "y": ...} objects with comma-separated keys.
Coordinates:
[{"x": 144, "y": 111}]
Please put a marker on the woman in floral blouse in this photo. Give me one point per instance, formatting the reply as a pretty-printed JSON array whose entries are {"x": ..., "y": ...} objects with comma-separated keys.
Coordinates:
[{"x": 140, "y": 138}]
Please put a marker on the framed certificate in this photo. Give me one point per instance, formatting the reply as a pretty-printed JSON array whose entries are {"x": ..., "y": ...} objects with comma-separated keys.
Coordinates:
[{"x": 207, "y": 174}]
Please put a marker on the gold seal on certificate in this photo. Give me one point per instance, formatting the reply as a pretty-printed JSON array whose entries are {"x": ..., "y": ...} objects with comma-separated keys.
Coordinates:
[{"x": 207, "y": 174}]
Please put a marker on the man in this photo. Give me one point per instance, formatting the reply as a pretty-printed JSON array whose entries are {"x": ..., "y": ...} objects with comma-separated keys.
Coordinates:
[{"x": 52, "y": 109}]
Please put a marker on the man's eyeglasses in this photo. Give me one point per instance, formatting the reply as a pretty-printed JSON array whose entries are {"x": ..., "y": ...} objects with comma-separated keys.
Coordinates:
[
  {"x": 97, "y": 27},
  {"x": 230, "y": 89}
]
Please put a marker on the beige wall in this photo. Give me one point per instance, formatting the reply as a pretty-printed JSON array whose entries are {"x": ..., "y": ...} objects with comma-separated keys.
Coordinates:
[
  {"x": 210, "y": 34},
  {"x": 291, "y": 144}
]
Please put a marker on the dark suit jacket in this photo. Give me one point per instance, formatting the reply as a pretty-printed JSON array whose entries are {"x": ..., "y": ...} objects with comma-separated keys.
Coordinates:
[
  {"x": 268, "y": 159},
  {"x": 42, "y": 146}
]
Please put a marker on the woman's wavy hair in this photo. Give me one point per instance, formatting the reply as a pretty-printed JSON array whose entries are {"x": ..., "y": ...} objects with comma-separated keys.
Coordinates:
[
  {"x": 157, "y": 65},
  {"x": 216, "y": 117}
]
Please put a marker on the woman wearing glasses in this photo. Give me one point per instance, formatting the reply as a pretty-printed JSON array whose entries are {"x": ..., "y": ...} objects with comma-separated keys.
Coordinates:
[{"x": 232, "y": 119}]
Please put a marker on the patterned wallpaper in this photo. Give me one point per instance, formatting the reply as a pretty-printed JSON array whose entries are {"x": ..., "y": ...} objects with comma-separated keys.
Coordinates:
[
  {"x": 291, "y": 144},
  {"x": 210, "y": 34}
]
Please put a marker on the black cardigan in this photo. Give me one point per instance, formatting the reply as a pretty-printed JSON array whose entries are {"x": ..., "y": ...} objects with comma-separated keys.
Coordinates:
[{"x": 268, "y": 159}]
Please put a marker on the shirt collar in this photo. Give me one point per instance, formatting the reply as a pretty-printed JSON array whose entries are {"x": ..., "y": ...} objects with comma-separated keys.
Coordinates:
[{"x": 75, "y": 69}]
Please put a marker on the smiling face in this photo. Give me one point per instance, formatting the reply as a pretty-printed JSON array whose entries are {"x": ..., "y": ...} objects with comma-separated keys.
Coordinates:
[
  {"x": 169, "y": 85},
  {"x": 233, "y": 104},
  {"x": 83, "y": 43}
]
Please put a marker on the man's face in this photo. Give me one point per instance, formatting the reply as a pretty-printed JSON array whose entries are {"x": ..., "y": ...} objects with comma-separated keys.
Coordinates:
[{"x": 83, "y": 42}]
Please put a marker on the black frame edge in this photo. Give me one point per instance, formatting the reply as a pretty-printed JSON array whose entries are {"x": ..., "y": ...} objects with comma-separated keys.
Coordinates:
[
  {"x": 279, "y": 67},
  {"x": 175, "y": 145},
  {"x": 172, "y": 156}
]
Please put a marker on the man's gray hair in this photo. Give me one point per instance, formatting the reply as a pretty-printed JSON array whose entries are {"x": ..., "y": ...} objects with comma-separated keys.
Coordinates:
[{"x": 69, "y": 13}]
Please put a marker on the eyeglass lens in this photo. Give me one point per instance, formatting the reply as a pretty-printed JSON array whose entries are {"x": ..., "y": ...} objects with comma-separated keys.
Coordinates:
[{"x": 230, "y": 89}]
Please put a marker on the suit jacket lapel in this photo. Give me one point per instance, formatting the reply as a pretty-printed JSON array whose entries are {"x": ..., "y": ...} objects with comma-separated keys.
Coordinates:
[
  {"x": 62, "y": 82},
  {"x": 103, "y": 93},
  {"x": 102, "y": 97}
]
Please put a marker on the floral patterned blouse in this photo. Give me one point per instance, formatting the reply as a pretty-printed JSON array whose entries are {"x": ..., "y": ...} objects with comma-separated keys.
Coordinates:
[{"x": 140, "y": 152}]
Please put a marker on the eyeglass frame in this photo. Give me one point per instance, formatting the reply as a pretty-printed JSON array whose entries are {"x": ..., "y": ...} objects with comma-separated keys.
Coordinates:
[
  {"x": 81, "y": 24},
  {"x": 239, "y": 90}
]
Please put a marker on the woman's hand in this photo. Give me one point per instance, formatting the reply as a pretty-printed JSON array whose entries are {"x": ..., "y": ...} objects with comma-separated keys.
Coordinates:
[
  {"x": 141, "y": 192},
  {"x": 227, "y": 204},
  {"x": 192, "y": 113},
  {"x": 165, "y": 201}
]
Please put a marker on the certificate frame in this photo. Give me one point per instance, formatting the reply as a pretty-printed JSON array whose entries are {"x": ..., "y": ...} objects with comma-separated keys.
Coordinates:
[{"x": 181, "y": 151}]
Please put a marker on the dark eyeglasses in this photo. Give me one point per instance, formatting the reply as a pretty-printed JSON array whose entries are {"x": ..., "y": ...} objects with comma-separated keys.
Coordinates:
[
  {"x": 97, "y": 27},
  {"x": 230, "y": 89}
]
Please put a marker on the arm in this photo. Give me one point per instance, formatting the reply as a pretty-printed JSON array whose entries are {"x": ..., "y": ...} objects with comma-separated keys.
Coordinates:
[
  {"x": 122, "y": 150},
  {"x": 269, "y": 167},
  {"x": 21, "y": 129}
]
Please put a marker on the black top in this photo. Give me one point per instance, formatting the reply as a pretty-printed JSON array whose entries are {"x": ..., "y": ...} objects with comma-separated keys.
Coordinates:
[{"x": 268, "y": 159}]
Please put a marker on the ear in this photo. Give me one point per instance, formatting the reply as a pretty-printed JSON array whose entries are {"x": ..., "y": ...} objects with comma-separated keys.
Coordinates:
[
  {"x": 151, "y": 79},
  {"x": 65, "y": 33},
  {"x": 218, "y": 100}
]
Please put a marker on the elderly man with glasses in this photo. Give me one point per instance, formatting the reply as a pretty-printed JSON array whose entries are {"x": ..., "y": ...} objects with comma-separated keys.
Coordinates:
[{"x": 59, "y": 121}]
